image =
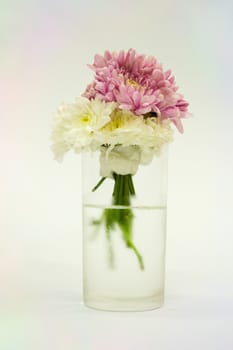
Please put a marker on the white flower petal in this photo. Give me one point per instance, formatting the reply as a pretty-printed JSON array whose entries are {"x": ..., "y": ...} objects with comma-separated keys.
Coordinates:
[{"x": 76, "y": 125}]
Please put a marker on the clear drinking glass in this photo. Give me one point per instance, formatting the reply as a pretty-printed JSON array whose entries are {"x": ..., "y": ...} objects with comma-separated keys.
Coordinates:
[{"x": 117, "y": 276}]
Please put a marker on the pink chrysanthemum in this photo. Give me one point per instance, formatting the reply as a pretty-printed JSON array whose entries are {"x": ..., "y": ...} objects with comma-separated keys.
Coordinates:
[{"x": 138, "y": 84}]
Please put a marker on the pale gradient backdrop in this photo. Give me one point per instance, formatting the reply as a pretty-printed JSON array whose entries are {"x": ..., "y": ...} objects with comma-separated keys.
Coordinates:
[{"x": 45, "y": 46}]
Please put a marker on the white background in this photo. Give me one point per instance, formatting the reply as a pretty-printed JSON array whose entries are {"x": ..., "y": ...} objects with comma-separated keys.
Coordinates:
[{"x": 45, "y": 46}]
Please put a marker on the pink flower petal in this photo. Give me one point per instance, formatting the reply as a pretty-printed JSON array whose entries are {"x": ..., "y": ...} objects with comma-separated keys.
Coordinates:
[{"x": 150, "y": 89}]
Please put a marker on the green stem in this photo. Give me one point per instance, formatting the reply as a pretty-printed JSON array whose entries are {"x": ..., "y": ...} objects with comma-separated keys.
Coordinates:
[
  {"x": 122, "y": 217},
  {"x": 140, "y": 259},
  {"x": 123, "y": 190},
  {"x": 131, "y": 185},
  {"x": 98, "y": 184}
]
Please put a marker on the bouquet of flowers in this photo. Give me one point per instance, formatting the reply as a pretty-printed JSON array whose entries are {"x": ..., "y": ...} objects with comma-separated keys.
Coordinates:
[{"x": 126, "y": 114}]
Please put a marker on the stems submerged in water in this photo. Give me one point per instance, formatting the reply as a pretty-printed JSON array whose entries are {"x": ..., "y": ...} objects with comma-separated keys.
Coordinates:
[{"x": 123, "y": 217}]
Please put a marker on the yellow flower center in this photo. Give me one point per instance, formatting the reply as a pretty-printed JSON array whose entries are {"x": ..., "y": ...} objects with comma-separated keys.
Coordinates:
[
  {"x": 85, "y": 119},
  {"x": 115, "y": 123},
  {"x": 132, "y": 83},
  {"x": 81, "y": 121},
  {"x": 118, "y": 120}
]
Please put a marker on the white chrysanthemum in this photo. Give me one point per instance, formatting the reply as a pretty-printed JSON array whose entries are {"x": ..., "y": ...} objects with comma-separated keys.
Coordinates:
[
  {"x": 123, "y": 128},
  {"x": 157, "y": 133},
  {"x": 76, "y": 125},
  {"x": 132, "y": 140},
  {"x": 127, "y": 129}
]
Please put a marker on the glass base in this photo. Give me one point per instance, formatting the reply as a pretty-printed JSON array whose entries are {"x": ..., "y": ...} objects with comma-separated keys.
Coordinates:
[{"x": 125, "y": 304}]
